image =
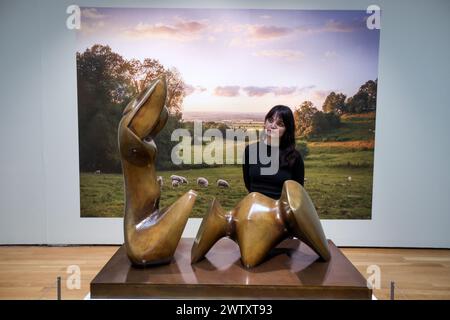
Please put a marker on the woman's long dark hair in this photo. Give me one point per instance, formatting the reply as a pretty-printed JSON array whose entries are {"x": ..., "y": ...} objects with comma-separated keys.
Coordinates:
[{"x": 288, "y": 153}]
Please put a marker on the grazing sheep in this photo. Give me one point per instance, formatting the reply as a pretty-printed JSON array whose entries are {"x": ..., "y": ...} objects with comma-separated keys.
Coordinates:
[
  {"x": 223, "y": 183},
  {"x": 349, "y": 178},
  {"x": 175, "y": 183},
  {"x": 160, "y": 181},
  {"x": 202, "y": 182},
  {"x": 97, "y": 172},
  {"x": 178, "y": 178}
]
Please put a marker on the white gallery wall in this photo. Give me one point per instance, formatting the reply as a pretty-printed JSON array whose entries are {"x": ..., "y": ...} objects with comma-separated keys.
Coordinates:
[{"x": 39, "y": 185}]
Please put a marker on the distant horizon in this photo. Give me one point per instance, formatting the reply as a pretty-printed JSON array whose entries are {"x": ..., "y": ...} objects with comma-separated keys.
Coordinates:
[
  {"x": 222, "y": 115},
  {"x": 203, "y": 111}
]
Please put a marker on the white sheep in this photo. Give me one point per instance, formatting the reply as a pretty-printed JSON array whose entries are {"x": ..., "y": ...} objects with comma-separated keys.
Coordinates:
[
  {"x": 175, "y": 183},
  {"x": 179, "y": 178},
  {"x": 223, "y": 183},
  {"x": 160, "y": 181},
  {"x": 203, "y": 182}
]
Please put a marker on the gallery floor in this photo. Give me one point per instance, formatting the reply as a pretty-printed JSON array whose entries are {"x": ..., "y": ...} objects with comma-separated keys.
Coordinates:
[{"x": 30, "y": 272}]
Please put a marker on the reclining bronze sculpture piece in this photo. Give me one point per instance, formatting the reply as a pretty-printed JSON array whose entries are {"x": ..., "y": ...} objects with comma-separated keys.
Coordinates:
[
  {"x": 258, "y": 223},
  {"x": 151, "y": 234}
]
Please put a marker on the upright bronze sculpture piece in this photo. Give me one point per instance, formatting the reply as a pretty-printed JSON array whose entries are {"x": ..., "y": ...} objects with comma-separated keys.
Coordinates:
[
  {"x": 151, "y": 234},
  {"x": 258, "y": 223}
]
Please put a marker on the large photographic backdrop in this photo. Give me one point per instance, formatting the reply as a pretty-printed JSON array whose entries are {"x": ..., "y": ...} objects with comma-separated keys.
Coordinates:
[{"x": 227, "y": 68}]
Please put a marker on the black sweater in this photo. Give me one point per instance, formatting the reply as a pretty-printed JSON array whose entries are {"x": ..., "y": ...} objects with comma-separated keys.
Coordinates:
[{"x": 270, "y": 185}]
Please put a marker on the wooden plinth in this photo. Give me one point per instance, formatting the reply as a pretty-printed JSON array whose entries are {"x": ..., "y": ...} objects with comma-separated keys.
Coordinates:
[{"x": 290, "y": 272}]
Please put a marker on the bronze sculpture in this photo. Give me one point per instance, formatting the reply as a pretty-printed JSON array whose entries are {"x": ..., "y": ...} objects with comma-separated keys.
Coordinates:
[
  {"x": 258, "y": 223},
  {"x": 151, "y": 234}
]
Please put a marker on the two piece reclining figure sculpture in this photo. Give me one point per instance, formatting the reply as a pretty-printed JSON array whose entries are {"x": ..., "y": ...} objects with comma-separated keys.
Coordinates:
[{"x": 257, "y": 223}]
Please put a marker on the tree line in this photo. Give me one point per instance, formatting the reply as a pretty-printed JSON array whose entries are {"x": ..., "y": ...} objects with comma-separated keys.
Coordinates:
[
  {"x": 106, "y": 83},
  {"x": 311, "y": 122}
]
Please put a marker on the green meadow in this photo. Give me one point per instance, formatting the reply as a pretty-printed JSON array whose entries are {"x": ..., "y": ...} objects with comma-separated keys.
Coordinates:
[{"x": 338, "y": 172}]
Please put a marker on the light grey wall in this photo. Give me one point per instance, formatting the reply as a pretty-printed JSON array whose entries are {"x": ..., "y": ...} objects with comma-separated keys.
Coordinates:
[
  {"x": 39, "y": 188},
  {"x": 22, "y": 178}
]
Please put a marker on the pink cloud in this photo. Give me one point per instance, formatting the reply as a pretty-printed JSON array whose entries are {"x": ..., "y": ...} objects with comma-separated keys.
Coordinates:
[
  {"x": 257, "y": 91},
  {"x": 181, "y": 31},
  {"x": 304, "y": 89},
  {"x": 267, "y": 32},
  {"x": 284, "y": 91},
  {"x": 190, "y": 26},
  {"x": 330, "y": 26},
  {"x": 337, "y": 26},
  {"x": 253, "y": 91},
  {"x": 189, "y": 89},
  {"x": 227, "y": 91}
]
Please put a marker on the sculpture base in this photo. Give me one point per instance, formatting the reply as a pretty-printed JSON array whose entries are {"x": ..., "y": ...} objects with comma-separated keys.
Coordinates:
[{"x": 292, "y": 271}]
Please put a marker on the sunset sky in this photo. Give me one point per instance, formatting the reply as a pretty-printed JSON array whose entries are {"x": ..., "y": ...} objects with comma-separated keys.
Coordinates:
[{"x": 244, "y": 60}]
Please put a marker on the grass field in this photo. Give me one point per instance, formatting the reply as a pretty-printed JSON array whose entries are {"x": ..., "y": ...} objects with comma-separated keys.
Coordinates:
[{"x": 338, "y": 172}]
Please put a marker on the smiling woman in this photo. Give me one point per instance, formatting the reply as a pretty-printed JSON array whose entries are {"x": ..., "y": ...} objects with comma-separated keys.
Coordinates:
[{"x": 279, "y": 137}]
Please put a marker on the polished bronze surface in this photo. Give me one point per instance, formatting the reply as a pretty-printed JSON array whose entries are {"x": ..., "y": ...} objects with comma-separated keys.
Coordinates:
[
  {"x": 151, "y": 234},
  {"x": 292, "y": 272},
  {"x": 258, "y": 223}
]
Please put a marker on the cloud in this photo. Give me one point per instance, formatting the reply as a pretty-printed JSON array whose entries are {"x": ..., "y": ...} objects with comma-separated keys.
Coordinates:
[
  {"x": 227, "y": 91},
  {"x": 91, "y": 13},
  {"x": 259, "y": 32},
  {"x": 240, "y": 42},
  {"x": 91, "y": 27},
  {"x": 189, "y": 89},
  {"x": 304, "y": 89},
  {"x": 257, "y": 91},
  {"x": 265, "y": 16},
  {"x": 338, "y": 26},
  {"x": 253, "y": 91},
  {"x": 91, "y": 21},
  {"x": 251, "y": 34},
  {"x": 332, "y": 26},
  {"x": 190, "y": 26},
  {"x": 284, "y": 91},
  {"x": 284, "y": 54},
  {"x": 330, "y": 54},
  {"x": 180, "y": 31}
]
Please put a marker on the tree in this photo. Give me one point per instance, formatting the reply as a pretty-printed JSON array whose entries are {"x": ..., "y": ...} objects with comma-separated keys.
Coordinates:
[
  {"x": 103, "y": 91},
  {"x": 165, "y": 144},
  {"x": 324, "y": 122},
  {"x": 106, "y": 83},
  {"x": 312, "y": 122},
  {"x": 365, "y": 100},
  {"x": 150, "y": 69},
  {"x": 334, "y": 102},
  {"x": 303, "y": 116},
  {"x": 370, "y": 87},
  {"x": 176, "y": 90}
]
